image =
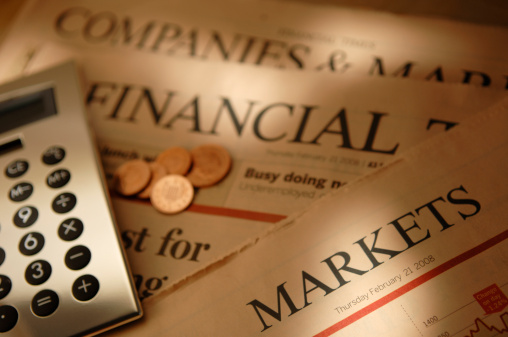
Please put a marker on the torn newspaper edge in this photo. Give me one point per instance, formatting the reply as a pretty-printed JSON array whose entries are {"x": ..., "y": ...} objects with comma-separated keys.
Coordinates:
[
  {"x": 418, "y": 247},
  {"x": 293, "y": 137}
]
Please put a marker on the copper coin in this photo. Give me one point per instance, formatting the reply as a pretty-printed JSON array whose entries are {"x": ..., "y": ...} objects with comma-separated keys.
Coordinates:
[
  {"x": 158, "y": 171},
  {"x": 210, "y": 164},
  {"x": 172, "y": 194},
  {"x": 176, "y": 160},
  {"x": 132, "y": 177}
]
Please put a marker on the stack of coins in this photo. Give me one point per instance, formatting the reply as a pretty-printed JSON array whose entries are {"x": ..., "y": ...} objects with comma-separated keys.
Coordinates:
[{"x": 170, "y": 180}]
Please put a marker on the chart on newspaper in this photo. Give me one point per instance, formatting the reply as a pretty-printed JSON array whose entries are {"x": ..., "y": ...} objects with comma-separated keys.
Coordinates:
[
  {"x": 416, "y": 249},
  {"x": 438, "y": 301}
]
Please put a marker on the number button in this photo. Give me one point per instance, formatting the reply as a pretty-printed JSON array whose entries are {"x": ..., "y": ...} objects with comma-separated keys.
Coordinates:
[
  {"x": 85, "y": 288},
  {"x": 5, "y": 286},
  {"x": 64, "y": 202},
  {"x": 70, "y": 229},
  {"x": 53, "y": 155},
  {"x": 26, "y": 216},
  {"x": 58, "y": 178},
  {"x": 21, "y": 191},
  {"x": 16, "y": 169},
  {"x": 8, "y": 318},
  {"x": 31, "y": 243},
  {"x": 44, "y": 303},
  {"x": 77, "y": 257},
  {"x": 38, "y": 272}
]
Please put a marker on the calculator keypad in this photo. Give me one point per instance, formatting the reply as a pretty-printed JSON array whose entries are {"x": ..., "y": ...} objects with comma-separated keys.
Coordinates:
[
  {"x": 16, "y": 168},
  {"x": 62, "y": 268},
  {"x": 26, "y": 216},
  {"x": 31, "y": 243},
  {"x": 5, "y": 286},
  {"x": 85, "y": 288},
  {"x": 2, "y": 256},
  {"x": 8, "y": 318},
  {"x": 38, "y": 272},
  {"x": 21, "y": 191},
  {"x": 46, "y": 301},
  {"x": 64, "y": 202},
  {"x": 77, "y": 257},
  {"x": 70, "y": 229},
  {"x": 58, "y": 178},
  {"x": 53, "y": 155}
]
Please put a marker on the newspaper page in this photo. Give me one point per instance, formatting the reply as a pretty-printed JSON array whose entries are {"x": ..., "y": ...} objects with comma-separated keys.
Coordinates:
[
  {"x": 418, "y": 248},
  {"x": 290, "y": 144},
  {"x": 285, "y": 35},
  {"x": 189, "y": 73}
]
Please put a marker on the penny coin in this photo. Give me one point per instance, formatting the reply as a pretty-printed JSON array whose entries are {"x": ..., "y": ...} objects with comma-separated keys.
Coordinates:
[
  {"x": 176, "y": 160},
  {"x": 172, "y": 194},
  {"x": 132, "y": 177},
  {"x": 158, "y": 171},
  {"x": 210, "y": 163}
]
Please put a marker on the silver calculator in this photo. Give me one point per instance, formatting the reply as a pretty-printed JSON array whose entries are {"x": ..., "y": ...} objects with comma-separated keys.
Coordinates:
[{"x": 62, "y": 268}]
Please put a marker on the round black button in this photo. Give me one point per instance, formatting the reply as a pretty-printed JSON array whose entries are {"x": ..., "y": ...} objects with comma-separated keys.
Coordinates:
[
  {"x": 2, "y": 256},
  {"x": 77, "y": 257},
  {"x": 53, "y": 155},
  {"x": 70, "y": 229},
  {"x": 5, "y": 286},
  {"x": 31, "y": 243},
  {"x": 26, "y": 216},
  {"x": 64, "y": 202},
  {"x": 38, "y": 272},
  {"x": 85, "y": 288},
  {"x": 16, "y": 169},
  {"x": 44, "y": 303},
  {"x": 58, "y": 178},
  {"x": 8, "y": 318},
  {"x": 21, "y": 191}
]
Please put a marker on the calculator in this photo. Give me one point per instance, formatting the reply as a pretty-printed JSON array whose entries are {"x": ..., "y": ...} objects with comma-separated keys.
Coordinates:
[{"x": 63, "y": 271}]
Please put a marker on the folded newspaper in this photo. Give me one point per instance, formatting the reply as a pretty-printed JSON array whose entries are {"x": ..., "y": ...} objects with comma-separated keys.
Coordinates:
[
  {"x": 418, "y": 248},
  {"x": 289, "y": 145},
  {"x": 305, "y": 98},
  {"x": 285, "y": 35}
]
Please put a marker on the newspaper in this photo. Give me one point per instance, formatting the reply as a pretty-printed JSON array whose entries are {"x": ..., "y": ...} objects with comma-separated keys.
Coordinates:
[
  {"x": 290, "y": 145},
  {"x": 415, "y": 249},
  {"x": 262, "y": 33},
  {"x": 294, "y": 135}
]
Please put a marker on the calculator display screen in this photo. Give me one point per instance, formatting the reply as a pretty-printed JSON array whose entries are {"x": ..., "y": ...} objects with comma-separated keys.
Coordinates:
[{"x": 21, "y": 110}]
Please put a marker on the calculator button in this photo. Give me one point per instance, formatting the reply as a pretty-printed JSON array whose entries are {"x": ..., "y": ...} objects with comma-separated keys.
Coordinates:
[
  {"x": 45, "y": 302},
  {"x": 5, "y": 286},
  {"x": 8, "y": 318},
  {"x": 58, "y": 178},
  {"x": 53, "y": 155},
  {"x": 21, "y": 191},
  {"x": 26, "y": 216},
  {"x": 85, "y": 288},
  {"x": 2, "y": 256},
  {"x": 77, "y": 257},
  {"x": 38, "y": 272},
  {"x": 70, "y": 229},
  {"x": 16, "y": 169},
  {"x": 64, "y": 202},
  {"x": 31, "y": 243}
]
